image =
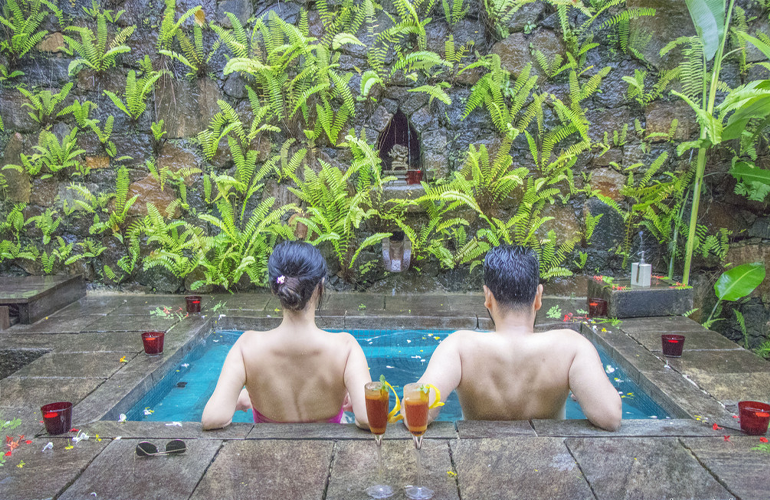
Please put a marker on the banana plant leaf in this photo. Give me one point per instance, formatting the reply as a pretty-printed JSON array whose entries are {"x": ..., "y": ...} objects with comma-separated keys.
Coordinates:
[
  {"x": 709, "y": 19},
  {"x": 749, "y": 173},
  {"x": 739, "y": 281}
]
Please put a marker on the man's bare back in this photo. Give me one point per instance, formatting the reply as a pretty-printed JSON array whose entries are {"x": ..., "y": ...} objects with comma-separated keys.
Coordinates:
[
  {"x": 520, "y": 375},
  {"x": 514, "y": 373}
]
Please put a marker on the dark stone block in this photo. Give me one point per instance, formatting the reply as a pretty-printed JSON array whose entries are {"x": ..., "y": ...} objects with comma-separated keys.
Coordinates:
[
  {"x": 232, "y": 474},
  {"x": 633, "y": 428},
  {"x": 660, "y": 299},
  {"x": 355, "y": 468},
  {"x": 643, "y": 468},
  {"x": 46, "y": 474},
  {"x": 115, "y": 473},
  {"x": 743, "y": 471},
  {"x": 5, "y": 318},
  {"x": 161, "y": 430},
  {"x": 35, "y": 392},
  {"x": 39, "y": 296},
  {"x": 479, "y": 429},
  {"x": 56, "y": 325},
  {"x": 14, "y": 359},
  {"x": 525, "y": 468},
  {"x": 74, "y": 364}
]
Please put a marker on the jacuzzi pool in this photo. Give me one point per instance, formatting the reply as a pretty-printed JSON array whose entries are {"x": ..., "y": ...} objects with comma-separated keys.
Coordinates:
[{"x": 401, "y": 355}]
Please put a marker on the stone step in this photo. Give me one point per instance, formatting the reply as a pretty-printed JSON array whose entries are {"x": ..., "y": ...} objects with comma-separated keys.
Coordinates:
[{"x": 36, "y": 297}]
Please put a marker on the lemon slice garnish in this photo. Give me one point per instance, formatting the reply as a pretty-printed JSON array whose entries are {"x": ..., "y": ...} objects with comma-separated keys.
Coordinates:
[
  {"x": 393, "y": 416},
  {"x": 437, "y": 402}
]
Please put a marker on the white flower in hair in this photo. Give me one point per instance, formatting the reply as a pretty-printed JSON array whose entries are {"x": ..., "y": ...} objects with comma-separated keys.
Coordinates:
[{"x": 280, "y": 279}]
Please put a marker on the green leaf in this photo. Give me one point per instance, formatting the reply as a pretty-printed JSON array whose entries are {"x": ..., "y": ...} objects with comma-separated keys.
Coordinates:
[
  {"x": 739, "y": 281},
  {"x": 749, "y": 173},
  {"x": 762, "y": 46},
  {"x": 709, "y": 19}
]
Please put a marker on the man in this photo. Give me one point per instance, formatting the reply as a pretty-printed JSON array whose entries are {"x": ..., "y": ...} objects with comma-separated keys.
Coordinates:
[{"x": 514, "y": 373}]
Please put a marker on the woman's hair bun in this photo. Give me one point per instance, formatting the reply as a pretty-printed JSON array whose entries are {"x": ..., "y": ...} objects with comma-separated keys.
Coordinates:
[
  {"x": 289, "y": 294},
  {"x": 295, "y": 269}
]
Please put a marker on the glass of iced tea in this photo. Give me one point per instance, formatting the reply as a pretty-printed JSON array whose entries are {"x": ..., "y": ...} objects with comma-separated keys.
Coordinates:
[
  {"x": 377, "y": 402},
  {"x": 416, "y": 407}
]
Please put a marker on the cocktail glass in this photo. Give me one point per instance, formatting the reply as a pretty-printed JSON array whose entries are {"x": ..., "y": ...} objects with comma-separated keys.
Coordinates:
[
  {"x": 377, "y": 401},
  {"x": 416, "y": 400}
]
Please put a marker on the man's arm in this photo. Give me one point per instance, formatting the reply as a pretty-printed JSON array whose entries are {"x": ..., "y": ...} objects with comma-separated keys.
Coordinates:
[
  {"x": 221, "y": 406},
  {"x": 444, "y": 371},
  {"x": 598, "y": 398}
]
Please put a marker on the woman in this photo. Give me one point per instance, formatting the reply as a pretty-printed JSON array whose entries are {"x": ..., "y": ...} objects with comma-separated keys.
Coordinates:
[{"x": 296, "y": 372}]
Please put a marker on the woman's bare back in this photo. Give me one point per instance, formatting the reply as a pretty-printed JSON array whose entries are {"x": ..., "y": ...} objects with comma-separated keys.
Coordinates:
[{"x": 296, "y": 376}]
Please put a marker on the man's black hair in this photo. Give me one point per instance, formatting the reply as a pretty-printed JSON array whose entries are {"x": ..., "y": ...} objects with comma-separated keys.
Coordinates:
[{"x": 512, "y": 274}]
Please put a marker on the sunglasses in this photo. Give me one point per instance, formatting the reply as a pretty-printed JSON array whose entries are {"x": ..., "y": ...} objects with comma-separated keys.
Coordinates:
[{"x": 147, "y": 449}]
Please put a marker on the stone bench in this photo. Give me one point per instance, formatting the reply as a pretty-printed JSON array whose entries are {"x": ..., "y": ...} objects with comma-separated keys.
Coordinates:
[{"x": 36, "y": 297}]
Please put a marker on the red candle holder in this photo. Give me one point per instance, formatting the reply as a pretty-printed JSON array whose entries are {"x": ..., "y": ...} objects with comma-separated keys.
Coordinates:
[
  {"x": 597, "y": 308},
  {"x": 153, "y": 342},
  {"x": 413, "y": 176},
  {"x": 672, "y": 345},
  {"x": 193, "y": 303},
  {"x": 755, "y": 417},
  {"x": 57, "y": 417}
]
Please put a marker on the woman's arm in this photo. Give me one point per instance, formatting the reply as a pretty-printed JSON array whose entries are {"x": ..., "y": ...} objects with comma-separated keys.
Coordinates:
[
  {"x": 221, "y": 406},
  {"x": 356, "y": 376}
]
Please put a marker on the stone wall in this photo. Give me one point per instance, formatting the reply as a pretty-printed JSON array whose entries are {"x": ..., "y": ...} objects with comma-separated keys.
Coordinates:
[{"x": 187, "y": 104}]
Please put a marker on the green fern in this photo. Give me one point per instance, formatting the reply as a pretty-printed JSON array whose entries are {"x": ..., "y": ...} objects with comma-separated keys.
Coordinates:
[
  {"x": 21, "y": 19},
  {"x": 44, "y": 102},
  {"x": 93, "y": 50},
  {"x": 137, "y": 90}
]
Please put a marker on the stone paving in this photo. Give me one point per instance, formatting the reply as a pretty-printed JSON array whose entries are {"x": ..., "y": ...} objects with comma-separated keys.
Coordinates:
[{"x": 90, "y": 353}]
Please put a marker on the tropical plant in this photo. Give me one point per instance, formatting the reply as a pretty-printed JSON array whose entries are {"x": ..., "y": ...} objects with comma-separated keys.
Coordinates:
[
  {"x": 239, "y": 250},
  {"x": 55, "y": 157},
  {"x": 348, "y": 17},
  {"x": 92, "y": 48},
  {"x": 193, "y": 53},
  {"x": 499, "y": 13},
  {"x": 169, "y": 28},
  {"x": 14, "y": 221},
  {"x": 5, "y": 75},
  {"x": 21, "y": 19},
  {"x": 495, "y": 93},
  {"x": 454, "y": 13},
  {"x": 699, "y": 91},
  {"x": 747, "y": 106},
  {"x": 97, "y": 205},
  {"x": 735, "y": 284},
  {"x": 44, "y": 102},
  {"x": 409, "y": 21},
  {"x": 80, "y": 111},
  {"x": 137, "y": 90},
  {"x": 334, "y": 212},
  {"x": 46, "y": 223},
  {"x": 177, "y": 245},
  {"x": 637, "y": 89}
]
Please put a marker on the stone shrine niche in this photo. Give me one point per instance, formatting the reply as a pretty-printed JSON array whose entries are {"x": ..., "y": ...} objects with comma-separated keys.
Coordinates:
[{"x": 399, "y": 147}]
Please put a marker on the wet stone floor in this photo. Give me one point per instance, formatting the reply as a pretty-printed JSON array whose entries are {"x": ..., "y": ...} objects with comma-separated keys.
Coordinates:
[{"x": 90, "y": 353}]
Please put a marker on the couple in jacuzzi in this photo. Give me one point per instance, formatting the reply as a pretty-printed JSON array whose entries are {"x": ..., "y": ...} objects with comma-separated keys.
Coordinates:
[{"x": 300, "y": 373}]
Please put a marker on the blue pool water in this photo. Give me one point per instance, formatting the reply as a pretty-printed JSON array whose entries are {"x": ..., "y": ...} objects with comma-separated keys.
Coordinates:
[{"x": 400, "y": 355}]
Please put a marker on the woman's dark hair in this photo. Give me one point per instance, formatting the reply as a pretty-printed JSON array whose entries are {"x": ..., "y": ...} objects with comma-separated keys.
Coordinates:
[
  {"x": 294, "y": 270},
  {"x": 512, "y": 274}
]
